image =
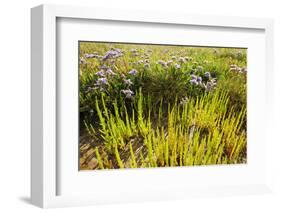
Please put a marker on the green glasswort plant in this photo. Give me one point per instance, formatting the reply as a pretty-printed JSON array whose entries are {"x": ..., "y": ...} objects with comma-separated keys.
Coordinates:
[{"x": 159, "y": 106}]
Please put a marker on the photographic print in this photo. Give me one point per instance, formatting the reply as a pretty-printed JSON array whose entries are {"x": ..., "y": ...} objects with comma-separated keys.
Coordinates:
[{"x": 152, "y": 105}]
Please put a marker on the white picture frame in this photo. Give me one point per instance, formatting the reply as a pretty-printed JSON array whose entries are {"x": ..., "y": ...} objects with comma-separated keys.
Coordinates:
[{"x": 44, "y": 153}]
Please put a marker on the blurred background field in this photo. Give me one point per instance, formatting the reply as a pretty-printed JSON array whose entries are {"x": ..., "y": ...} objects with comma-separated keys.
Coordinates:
[{"x": 157, "y": 105}]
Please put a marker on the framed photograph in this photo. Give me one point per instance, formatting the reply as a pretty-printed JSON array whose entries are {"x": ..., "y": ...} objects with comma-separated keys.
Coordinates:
[{"x": 129, "y": 106}]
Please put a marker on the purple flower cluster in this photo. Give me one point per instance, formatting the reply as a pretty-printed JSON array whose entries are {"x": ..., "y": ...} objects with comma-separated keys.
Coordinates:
[
  {"x": 128, "y": 82},
  {"x": 110, "y": 72},
  {"x": 128, "y": 93},
  {"x": 133, "y": 72},
  {"x": 207, "y": 75},
  {"x": 195, "y": 80},
  {"x": 208, "y": 85},
  {"x": 101, "y": 82},
  {"x": 115, "y": 53},
  {"x": 163, "y": 63},
  {"x": 87, "y": 55}
]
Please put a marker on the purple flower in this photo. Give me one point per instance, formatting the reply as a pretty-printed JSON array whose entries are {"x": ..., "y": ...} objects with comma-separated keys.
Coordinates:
[
  {"x": 177, "y": 66},
  {"x": 193, "y": 77},
  {"x": 163, "y": 63},
  {"x": 112, "y": 54},
  {"x": 110, "y": 72},
  {"x": 128, "y": 93},
  {"x": 207, "y": 74},
  {"x": 128, "y": 82},
  {"x": 169, "y": 62},
  {"x": 104, "y": 67},
  {"x": 91, "y": 55},
  {"x": 181, "y": 60},
  {"x": 209, "y": 86},
  {"x": 100, "y": 73},
  {"x": 118, "y": 50},
  {"x": 193, "y": 81},
  {"x": 133, "y": 72},
  {"x": 199, "y": 79},
  {"x": 101, "y": 81}
]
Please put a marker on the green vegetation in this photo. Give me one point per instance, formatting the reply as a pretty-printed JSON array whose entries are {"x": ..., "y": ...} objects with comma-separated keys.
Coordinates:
[{"x": 158, "y": 106}]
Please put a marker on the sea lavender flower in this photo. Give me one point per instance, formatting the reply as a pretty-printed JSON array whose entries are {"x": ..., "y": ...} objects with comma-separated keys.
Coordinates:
[
  {"x": 193, "y": 77},
  {"x": 100, "y": 73},
  {"x": 91, "y": 55},
  {"x": 163, "y": 63},
  {"x": 194, "y": 81},
  {"x": 214, "y": 81},
  {"x": 177, "y": 66},
  {"x": 128, "y": 82},
  {"x": 104, "y": 67},
  {"x": 133, "y": 72},
  {"x": 207, "y": 75},
  {"x": 118, "y": 50},
  {"x": 199, "y": 79},
  {"x": 169, "y": 62},
  {"x": 209, "y": 86},
  {"x": 88, "y": 89},
  {"x": 181, "y": 60},
  {"x": 112, "y": 54},
  {"x": 110, "y": 72},
  {"x": 128, "y": 93},
  {"x": 101, "y": 81}
]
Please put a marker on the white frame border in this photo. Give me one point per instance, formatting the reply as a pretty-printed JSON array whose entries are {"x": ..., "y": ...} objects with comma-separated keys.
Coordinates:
[{"x": 43, "y": 92}]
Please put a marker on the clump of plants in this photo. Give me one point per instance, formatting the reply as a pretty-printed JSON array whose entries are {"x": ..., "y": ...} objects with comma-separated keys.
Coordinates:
[{"x": 158, "y": 106}]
